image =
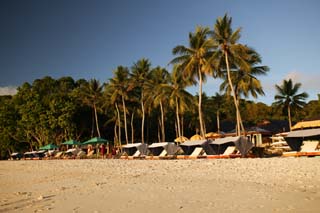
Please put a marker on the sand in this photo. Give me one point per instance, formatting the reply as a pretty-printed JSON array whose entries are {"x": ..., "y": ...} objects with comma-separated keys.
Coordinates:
[{"x": 225, "y": 185}]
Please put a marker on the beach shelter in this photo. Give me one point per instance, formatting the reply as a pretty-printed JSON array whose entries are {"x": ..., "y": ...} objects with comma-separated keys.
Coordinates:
[
  {"x": 96, "y": 140},
  {"x": 221, "y": 144},
  {"x": 213, "y": 135},
  {"x": 71, "y": 142},
  {"x": 49, "y": 147},
  {"x": 189, "y": 146},
  {"x": 157, "y": 148},
  {"x": 306, "y": 125},
  {"x": 131, "y": 149},
  {"x": 181, "y": 139},
  {"x": 196, "y": 137},
  {"x": 295, "y": 138}
]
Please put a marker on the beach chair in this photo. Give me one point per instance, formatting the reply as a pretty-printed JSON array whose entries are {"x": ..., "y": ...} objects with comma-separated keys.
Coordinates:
[
  {"x": 198, "y": 152},
  {"x": 90, "y": 154},
  {"x": 161, "y": 155},
  {"x": 58, "y": 155},
  {"x": 136, "y": 155},
  {"x": 309, "y": 148}
]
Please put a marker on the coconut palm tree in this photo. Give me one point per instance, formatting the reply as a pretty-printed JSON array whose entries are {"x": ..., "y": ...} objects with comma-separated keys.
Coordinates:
[
  {"x": 140, "y": 74},
  {"x": 245, "y": 82},
  {"x": 193, "y": 61},
  {"x": 179, "y": 98},
  {"x": 159, "y": 77},
  {"x": 91, "y": 94},
  {"x": 288, "y": 97},
  {"x": 119, "y": 82},
  {"x": 229, "y": 53}
]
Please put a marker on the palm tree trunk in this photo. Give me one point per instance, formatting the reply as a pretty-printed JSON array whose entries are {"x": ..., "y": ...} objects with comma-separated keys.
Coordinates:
[
  {"x": 96, "y": 117},
  {"x": 289, "y": 117},
  {"x": 143, "y": 118},
  {"x": 115, "y": 133},
  {"x": 132, "y": 129},
  {"x": 218, "y": 121},
  {"x": 200, "y": 102},
  {"x": 119, "y": 124},
  {"x": 178, "y": 120},
  {"x": 233, "y": 94},
  {"x": 182, "y": 125},
  {"x": 125, "y": 119},
  {"x": 163, "y": 134}
]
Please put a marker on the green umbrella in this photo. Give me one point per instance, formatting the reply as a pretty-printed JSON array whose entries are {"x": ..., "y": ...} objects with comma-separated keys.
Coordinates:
[
  {"x": 49, "y": 147},
  {"x": 95, "y": 140},
  {"x": 71, "y": 142}
]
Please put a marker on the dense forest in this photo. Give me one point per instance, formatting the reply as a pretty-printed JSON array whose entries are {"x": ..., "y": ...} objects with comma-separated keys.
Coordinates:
[{"x": 149, "y": 104}]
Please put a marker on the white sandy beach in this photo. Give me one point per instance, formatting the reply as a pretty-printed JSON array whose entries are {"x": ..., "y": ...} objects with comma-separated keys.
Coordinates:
[{"x": 241, "y": 185}]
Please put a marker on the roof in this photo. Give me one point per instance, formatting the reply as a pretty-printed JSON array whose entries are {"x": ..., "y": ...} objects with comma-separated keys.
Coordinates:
[
  {"x": 131, "y": 145},
  {"x": 225, "y": 140},
  {"x": 306, "y": 124},
  {"x": 162, "y": 144},
  {"x": 193, "y": 143},
  {"x": 304, "y": 133}
]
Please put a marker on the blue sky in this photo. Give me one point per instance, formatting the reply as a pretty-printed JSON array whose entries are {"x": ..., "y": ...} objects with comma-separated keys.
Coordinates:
[{"x": 89, "y": 39}]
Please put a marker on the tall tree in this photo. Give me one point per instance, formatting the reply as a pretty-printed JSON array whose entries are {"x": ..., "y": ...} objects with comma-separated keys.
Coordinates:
[
  {"x": 229, "y": 53},
  {"x": 119, "y": 82},
  {"x": 245, "y": 82},
  {"x": 91, "y": 93},
  {"x": 193, "y": 61},
  {"x": 159, "y": 77},
  {"x": 288, "y": 97},
  {"x": 140, "y": 74}
]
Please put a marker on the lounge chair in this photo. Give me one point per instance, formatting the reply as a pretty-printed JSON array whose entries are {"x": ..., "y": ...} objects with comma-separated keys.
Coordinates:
[
  {"x": 161, "y": 155},
  {"x": 198, "y": 152},
  {"x": 228, "y": 153},
  {"x": 58, "y": 155},
  {"x": 90, "y": 154},
  {"x": 136, "y": 155},
  {"x": 309, "y": 148}
]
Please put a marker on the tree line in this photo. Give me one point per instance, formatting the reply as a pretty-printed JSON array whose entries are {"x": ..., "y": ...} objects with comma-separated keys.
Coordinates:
[{"x": 147, "y": 104}]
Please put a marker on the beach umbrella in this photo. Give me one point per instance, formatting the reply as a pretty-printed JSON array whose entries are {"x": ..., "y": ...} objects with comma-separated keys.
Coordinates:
[
  {"x": 95, "y": 140},
  {"x": 181, "y": 139},
  {"x": 196, "y": 137},
  {"x": 49, "y": 147},
  {"x": 213, "y": 135},
  {"x": 71, "y": 142}
]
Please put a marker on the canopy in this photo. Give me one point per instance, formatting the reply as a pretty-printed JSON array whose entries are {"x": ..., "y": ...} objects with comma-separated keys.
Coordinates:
[
  {"x": 130, "y": 149},
  {"x": 196, "y": 137},
  {"x": 95, "y": 140},
  {"x": 157, "y": 148},
  {"x": 49, "y": 146},
  {"x": 306, "y": 124},
  {"x": 181, "y": 139},
  {"x": 304, "y": 133},
  {"x": 295, "y": 138},
  {"x": 189, "y": 146},
  {"x": 241, "y": 143},
  {"x": 213, "y": 135},
  {"x": 71, "y": 142}
]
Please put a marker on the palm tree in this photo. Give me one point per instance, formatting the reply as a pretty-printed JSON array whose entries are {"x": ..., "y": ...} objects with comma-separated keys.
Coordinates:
[
  {"x": 91, "y": 94},
  {"x": 229, "y": 53},
  {"x": 193, "y": 61},
  {"x": 159, "y": 77},
  {"x": 140, "y": 74},
  {"x": 179, "y": 98},
  {"x": 245, "y": 81},
  {"x": 120, "y": 89},
  {"x": 288, "y": 98}
]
